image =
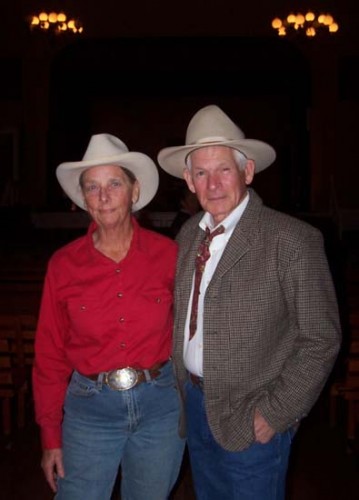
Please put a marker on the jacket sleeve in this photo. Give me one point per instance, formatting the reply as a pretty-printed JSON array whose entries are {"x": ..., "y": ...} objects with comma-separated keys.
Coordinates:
[{"x": 310, "y": 295}]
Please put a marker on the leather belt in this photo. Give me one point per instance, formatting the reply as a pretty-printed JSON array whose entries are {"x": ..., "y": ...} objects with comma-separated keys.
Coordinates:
[
  {"x": 196, "y": 380},
  {"x": 126, "y": 378}
]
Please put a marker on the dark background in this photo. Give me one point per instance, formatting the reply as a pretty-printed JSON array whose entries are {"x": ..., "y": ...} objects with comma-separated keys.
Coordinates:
[{"x": 141, "y": 70}]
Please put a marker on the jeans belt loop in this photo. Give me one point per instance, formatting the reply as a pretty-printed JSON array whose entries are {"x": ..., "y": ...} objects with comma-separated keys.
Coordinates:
[
  {"x": 147, "y": 375},
  {"x": 99, "y": 381}
]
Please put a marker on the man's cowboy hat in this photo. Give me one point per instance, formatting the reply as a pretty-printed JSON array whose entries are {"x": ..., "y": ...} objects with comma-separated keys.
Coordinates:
[
  {"x": 106, "y": 149},
  {"x": 210, "y": 126}
]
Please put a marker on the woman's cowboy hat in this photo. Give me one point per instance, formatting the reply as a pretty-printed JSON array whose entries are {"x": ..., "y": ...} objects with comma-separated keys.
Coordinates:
[
  {"x": 106, "y": 149},
  {"x": 210, "y": 126}
]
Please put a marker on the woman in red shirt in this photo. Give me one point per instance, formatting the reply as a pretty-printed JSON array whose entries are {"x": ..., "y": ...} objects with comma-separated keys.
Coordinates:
[{"x": 104, "y": 388}]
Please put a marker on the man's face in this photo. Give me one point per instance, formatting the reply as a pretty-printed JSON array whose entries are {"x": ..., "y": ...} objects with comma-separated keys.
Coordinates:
[{"x": 217, "y": 180}]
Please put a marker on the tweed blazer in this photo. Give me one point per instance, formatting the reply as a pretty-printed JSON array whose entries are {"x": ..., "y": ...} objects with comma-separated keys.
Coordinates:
[{"x": 271, "y": 325}]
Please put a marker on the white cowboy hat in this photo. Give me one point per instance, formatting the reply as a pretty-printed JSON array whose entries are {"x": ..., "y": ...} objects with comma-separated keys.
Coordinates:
[
  {"x": 106, "y": 149},
  {"x": 210, "y": 126}
]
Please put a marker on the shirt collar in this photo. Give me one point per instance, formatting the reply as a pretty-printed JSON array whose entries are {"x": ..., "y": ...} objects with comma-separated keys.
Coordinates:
[
  {"x": 230, "y": 221},
  {"x": 136, "y": 242}
]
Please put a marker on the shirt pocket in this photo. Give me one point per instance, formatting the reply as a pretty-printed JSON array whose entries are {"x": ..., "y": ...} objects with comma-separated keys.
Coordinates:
[
  {"x": 85, "y": 317},
  {"x": 157, "y": 309}
]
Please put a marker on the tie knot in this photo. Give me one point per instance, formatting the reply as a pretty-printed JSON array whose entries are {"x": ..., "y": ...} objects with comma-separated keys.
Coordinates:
[
  {"x": 210, "y": 235},
  {"x": 203, "y": 251}
]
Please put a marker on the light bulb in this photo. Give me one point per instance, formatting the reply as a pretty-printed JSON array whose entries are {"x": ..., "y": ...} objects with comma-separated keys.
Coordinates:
[
  {"x": 291, "y": 19},
  {"x": 310, "y": 16},
  {"x": 43, "y": 16},
  {"x": 300, "y": 19},
  {"x": 52, "y": 17},
  {"x": 276, "y": 23}
]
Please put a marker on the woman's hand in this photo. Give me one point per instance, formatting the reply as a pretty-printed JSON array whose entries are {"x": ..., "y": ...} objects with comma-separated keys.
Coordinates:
[{"x": 53, "y": 466}]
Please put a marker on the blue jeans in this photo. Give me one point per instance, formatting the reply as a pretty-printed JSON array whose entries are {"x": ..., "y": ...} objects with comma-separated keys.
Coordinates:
[
  {"x": 256, "y": 473},
  {"x": 137, "y": 428}
]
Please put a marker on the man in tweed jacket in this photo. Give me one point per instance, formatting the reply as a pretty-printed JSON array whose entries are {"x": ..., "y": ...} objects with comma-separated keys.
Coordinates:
[{"x": 267, "y": 324}]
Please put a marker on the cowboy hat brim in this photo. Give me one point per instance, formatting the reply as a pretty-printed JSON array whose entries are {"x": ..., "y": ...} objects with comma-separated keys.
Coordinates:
[
  {"x": 173, "y": 159},
  {"x": 144, "y": 169}
]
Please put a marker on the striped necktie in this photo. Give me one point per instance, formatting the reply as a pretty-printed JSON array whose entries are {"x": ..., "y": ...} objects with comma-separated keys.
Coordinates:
[{"x": 203, "y": 255}]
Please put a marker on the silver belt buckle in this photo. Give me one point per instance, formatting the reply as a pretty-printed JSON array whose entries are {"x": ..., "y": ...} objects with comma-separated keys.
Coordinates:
[{"x": 122, "y": 380}]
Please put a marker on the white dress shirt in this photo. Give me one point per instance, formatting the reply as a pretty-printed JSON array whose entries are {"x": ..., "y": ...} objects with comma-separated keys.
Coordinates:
[{"x": 193, "y": 349}]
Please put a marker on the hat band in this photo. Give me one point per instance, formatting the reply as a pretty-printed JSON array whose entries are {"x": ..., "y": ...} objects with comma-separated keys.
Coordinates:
[{"x": 206, "y": 140}]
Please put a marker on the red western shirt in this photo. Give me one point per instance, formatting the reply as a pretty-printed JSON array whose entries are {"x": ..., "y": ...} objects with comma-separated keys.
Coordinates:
[{"x": 97, "y": 315}]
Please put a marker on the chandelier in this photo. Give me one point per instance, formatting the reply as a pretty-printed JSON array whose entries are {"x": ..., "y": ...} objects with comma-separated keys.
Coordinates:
[
  {"x": 54, "y": 22},
  {"x": 309, "y": 24}
]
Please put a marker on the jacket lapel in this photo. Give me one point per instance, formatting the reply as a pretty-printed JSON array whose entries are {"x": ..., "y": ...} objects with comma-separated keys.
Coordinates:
[
  {"x": 239, "y": 244},
  {"x": 242, "y": 237}
]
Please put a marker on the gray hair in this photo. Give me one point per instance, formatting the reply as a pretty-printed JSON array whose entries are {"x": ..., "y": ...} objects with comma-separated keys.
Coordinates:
[{"x": 239, "y": 158}]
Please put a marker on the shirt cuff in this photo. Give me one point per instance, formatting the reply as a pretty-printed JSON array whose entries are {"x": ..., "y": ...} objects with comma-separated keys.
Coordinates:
[{"x": 51, "y": 437}]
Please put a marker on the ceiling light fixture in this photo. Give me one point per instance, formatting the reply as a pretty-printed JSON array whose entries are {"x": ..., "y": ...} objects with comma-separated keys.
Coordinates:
[
  {"x": 54, "y": 22},
  {"x": 309, "y": 24}
]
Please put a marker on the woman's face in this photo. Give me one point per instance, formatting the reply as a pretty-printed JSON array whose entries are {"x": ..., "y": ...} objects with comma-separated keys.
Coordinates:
[{"x": 109, "y": 194}]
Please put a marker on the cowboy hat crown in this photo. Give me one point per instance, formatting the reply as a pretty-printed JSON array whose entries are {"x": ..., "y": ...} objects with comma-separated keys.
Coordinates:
[
  {"x": 106, "y": 149},
  {"x": 210, "y": 126}
]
